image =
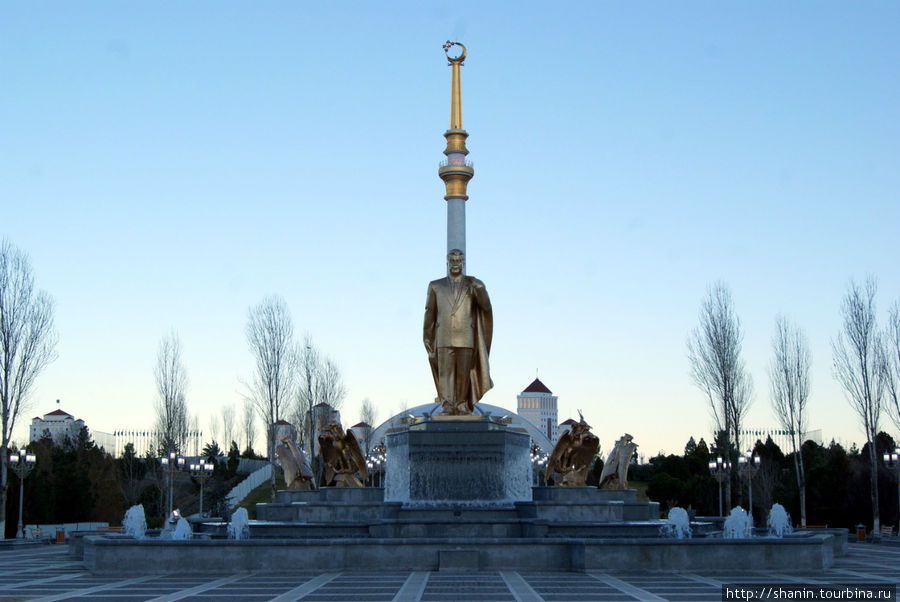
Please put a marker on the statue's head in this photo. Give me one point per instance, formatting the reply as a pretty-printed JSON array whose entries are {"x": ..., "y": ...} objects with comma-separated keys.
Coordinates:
[{"x": 456, "y": 261}]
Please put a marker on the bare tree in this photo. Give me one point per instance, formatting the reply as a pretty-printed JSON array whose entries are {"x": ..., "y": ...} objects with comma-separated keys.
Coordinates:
[
  {"x": 891, "y": 361},
  {"x": 367, "y": 415},
  {"x": 214, "y": 428},
  {"x": 248, "y": 423},
  {"x": 228, "y": 415},
  {"x": 270, "y": 334},
  {"x": 859, "y": 367},
  {"x": 320, "y": 381},
  {"x": 27, "y": 346},
  {"x": 172, "y": 420},
  {"x": 789, "y": 379},
  {"x": 714, "y": 351}
]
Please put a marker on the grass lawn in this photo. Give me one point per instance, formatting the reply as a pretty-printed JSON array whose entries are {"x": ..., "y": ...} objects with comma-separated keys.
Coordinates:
[{"x": 261, "y": 495}]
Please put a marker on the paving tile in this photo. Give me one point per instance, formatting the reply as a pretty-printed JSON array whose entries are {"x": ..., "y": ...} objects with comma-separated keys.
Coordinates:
[{"x": 48, "y": 573}]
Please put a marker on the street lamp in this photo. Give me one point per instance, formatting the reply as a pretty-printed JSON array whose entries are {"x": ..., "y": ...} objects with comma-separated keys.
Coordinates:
[
  {"x": 719, "y": 469},
  {"x": 201, "y": 472},
  {"x": 538, "y": 462},
  {"x": 375, "y": 464},
  {"x": 171, "y": 464},
  {"x": 892, "y": 462},
  {"x": 748, "y": 464},
  {"x": 22, "y": 463}
]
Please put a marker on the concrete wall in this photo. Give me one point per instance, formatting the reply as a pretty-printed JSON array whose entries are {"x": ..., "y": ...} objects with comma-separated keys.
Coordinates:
[{"x": 121, "y": 555}]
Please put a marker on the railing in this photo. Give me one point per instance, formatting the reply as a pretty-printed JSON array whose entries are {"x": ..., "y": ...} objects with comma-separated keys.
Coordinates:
[
  {"x": 446, "y": 163},
  {"x": 247, "y": 465},
  {"x": 49, "y": 530},
  {"x": 243, "y": 489}
]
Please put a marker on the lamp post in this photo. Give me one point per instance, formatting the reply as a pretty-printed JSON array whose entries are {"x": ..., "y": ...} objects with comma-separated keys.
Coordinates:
[
  {"x": 171, "y": 464},
  {"x": 538, "y": 461},
  {"x": 719, "y": 469},
  {"x": 22, "y": 463},
  {"x": 748, "y": 464},
  {"x": 201, "y": 472},
  {"x": 375, "y": 464},
  {"x": 892, "y": 463}
]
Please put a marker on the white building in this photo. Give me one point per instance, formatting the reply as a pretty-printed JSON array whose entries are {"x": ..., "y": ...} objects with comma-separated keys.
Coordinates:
[
  {"x": 284, "y": 430},
  {"x": 363, "y": 431},
  {"x": 58, "y": 424},
  {"x": 322, "y": 415},
  {"x": 537, "y": 405},
  {"x": 566, "y": 426}
]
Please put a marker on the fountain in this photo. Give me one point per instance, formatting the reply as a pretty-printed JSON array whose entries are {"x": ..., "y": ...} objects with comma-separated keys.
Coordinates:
[
  {"x": 738, "y": 525},
  {"x": 182, "y": 530},
  {"x": 477, "y": 462},
  {"x": 239, "y": 527},
  {"x": 134, "y": 522},
  {"x": 458, "y": 492},
  {"x": 678, "y": 524},
  {"x": 560, "y": 528},
  {"x": 779, "y": 521}
]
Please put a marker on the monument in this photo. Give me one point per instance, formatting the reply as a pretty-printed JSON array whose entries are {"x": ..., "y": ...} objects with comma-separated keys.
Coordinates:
[
  {"x": 297, "y": 472},
  {"x": 615, "y": 470},
  {"x": 458, "y": 492},
  {"x": 572, "y": 455},
  {"x": 458, "y": 317},
  {"x": 458, "y": 327},
  {"x": 345, "y": 465},
  {"x": 457, "y": 456}
]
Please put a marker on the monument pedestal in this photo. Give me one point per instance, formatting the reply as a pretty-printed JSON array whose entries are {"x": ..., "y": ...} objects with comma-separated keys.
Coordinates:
[{"x": 458, "y": 460}]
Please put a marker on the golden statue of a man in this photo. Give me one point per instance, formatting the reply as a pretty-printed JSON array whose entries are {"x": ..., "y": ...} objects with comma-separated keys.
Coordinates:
[{"x": 458, "y": 327}]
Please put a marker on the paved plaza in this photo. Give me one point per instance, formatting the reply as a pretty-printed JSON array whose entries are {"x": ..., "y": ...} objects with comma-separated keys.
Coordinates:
[{"x": 46, "y": 572}]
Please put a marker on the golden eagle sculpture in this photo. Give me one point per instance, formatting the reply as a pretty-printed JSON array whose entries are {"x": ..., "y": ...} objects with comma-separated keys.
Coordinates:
[
  {"x": 297, "y": 472},
  {"x": 345, "y": 465},
  {"x": 572, "y": 456}
]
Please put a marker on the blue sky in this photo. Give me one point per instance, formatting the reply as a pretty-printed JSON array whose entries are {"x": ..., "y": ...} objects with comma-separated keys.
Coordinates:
[{"x": 169, "y": 165}]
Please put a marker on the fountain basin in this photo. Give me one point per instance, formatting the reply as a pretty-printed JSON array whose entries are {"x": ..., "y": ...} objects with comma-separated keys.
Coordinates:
[
  {"x": 467, "y": 459},
  {"x": 123, "y": 556}
]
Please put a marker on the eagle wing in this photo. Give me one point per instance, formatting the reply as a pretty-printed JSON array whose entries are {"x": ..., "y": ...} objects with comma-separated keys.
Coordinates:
[
  {"x": 612, "y": 463},
  {"x": 356, "y": 458},
  {"x": 305, "y": 470},
  {"x": 330, "y": 456},
  {"x": 554, "y": 464},
  {"x": 583, "y": 455},
  {"x": 288, "y": 463}
]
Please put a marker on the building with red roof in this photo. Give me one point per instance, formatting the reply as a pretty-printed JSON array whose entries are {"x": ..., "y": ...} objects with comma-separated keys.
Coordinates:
[
  {"x": 537, "y": 405},
  {"x": 57, "y": 424}
]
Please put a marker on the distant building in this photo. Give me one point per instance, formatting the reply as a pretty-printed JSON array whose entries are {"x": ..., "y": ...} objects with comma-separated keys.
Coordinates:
[
  {"x": 363, "y": 431},
  {"x": 537, "y": 405},
  {"x": 146, "y": 442},
  {"x": 285, "y": 430},
  {"x": 57, "y": 424},
  {"x": 566, "y": 426},
  {"x": 322, "y": 415},
  {"x": 781, "y": 437}
]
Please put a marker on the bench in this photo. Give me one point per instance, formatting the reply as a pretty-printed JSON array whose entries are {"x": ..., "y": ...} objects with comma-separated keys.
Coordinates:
[{"x": 887, "y": 531}]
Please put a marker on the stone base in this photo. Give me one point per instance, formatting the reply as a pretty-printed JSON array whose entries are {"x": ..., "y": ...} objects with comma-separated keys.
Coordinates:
[
  {"x": 125, "y": 556},
  {"x": 467, "y": 460}
]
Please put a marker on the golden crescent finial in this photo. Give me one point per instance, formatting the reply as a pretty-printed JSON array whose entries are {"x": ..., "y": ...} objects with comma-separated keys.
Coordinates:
[{"x": 462, "y": 55}]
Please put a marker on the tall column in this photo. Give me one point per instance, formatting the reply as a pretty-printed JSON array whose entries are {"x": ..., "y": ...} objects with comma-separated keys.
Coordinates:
[{"x": 455, "y": 171}]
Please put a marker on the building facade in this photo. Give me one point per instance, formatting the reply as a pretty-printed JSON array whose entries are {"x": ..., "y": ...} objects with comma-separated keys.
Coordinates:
[
  {"x": 537, "y": 405},
  {"x": 57, "y": 424},
  {"x": 322, "y": 415}
]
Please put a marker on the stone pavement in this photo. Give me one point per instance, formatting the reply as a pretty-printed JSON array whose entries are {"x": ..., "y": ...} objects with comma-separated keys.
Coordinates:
[{"x": 45, "y": 572}]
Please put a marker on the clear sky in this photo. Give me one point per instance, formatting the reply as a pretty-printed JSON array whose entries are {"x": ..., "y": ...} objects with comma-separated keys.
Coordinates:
[{"x": 167, "y": 165}]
